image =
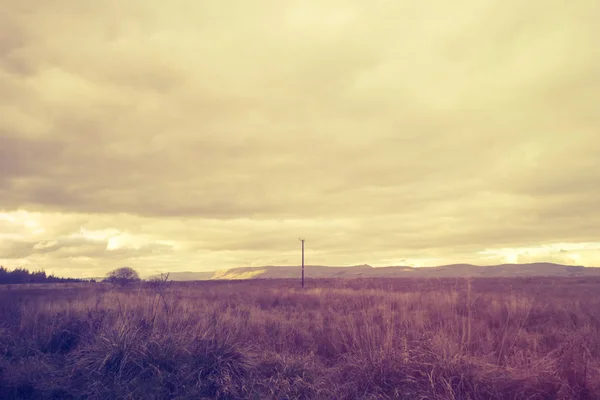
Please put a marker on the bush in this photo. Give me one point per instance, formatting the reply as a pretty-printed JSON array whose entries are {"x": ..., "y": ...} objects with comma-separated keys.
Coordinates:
[{"x": 122, "y": 276}]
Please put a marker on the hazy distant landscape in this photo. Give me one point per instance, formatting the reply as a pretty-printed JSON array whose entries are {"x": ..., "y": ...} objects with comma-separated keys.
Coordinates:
[{"x": 365, "y": 271}]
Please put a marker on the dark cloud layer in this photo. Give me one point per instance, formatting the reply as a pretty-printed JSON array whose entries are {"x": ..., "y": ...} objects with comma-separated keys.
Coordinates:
[{"x": 202, "y": 135}]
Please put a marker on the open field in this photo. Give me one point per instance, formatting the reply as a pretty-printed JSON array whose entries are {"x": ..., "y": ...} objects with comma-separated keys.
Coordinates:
[{"x": 503, "y": 338}]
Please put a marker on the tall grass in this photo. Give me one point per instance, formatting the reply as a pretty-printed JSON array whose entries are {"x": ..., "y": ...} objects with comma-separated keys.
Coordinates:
[{"x": 343, "y": 339}]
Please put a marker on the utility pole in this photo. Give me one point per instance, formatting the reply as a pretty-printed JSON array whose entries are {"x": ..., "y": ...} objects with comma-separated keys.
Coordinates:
[{"x": 302, "y": 240}]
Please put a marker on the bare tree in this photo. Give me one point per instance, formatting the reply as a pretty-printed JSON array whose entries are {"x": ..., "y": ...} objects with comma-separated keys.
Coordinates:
[{"x": 122, "y": 276}]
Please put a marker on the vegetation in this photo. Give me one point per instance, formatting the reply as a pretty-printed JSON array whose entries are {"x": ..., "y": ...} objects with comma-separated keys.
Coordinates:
[
  {"x": 511, "y": 338},
  {"x": 122, "y": 276},
  {"x": 20, "y": 275}
]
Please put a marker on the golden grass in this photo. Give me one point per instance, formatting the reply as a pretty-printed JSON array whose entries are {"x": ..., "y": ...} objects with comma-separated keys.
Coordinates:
[{"x": 343, "y": 339}]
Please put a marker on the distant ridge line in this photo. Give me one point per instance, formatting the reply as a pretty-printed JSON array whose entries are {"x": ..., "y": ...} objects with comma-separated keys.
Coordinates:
[{"x": 368, "y": 271}]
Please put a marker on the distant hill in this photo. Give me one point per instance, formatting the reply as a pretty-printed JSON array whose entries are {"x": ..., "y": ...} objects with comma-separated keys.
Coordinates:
[
  {"x": 358, "y": 271},
  {"x": 187, "y": 276}
]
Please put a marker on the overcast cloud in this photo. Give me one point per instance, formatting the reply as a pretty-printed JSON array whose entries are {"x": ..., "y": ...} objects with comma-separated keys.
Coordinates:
[{"x": 197, "y": 135}]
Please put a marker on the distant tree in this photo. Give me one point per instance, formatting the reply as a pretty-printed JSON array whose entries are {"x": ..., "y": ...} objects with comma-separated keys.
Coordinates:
[
  {"x": 123, "y": 276},
  {"x": 21, "y": 275},
  {"x": 4, "y": 275}
]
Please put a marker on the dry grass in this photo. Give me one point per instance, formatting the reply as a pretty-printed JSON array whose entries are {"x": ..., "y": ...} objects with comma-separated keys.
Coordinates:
[{"x": 343, "y": 339}]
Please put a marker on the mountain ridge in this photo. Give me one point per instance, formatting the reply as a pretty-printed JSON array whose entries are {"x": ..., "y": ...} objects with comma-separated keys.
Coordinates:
[{"x": 368, "y": 271}]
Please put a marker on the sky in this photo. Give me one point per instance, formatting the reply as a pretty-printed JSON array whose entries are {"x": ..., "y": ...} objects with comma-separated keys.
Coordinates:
[{"x": 196, "y": 135}]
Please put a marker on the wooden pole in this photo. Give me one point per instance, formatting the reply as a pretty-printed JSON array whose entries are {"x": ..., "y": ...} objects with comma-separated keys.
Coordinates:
[{"x": 302, "y": 240}]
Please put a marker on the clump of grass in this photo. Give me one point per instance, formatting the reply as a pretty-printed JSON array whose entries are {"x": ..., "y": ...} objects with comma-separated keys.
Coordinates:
[
  {"x": 65, "y": 337},
  {"x": 131, "y": 358},
  {"x": 290, "y": 377},
  {"x": 118, "y": 361},
  {"x": 217, "y": 368},
  {"x": 117, "y": 354}
]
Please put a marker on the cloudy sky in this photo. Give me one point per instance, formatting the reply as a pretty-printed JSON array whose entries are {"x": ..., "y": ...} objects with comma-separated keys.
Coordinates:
[{"x": 197, "y": 135}]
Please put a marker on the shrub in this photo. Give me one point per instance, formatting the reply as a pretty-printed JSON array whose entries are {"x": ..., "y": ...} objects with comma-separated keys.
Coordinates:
[{"x": 122, "y": 276}]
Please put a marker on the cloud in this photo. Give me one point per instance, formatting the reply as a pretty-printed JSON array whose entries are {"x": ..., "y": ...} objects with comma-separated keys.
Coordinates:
[{"x": 414, "y": 130}]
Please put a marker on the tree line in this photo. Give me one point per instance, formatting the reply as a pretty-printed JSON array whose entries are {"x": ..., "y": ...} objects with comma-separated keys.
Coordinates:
[{"x": 22, "y": 275}]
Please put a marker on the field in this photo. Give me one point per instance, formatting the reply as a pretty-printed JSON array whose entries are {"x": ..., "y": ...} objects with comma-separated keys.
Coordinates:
[{"x": 509, "y": 338}]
